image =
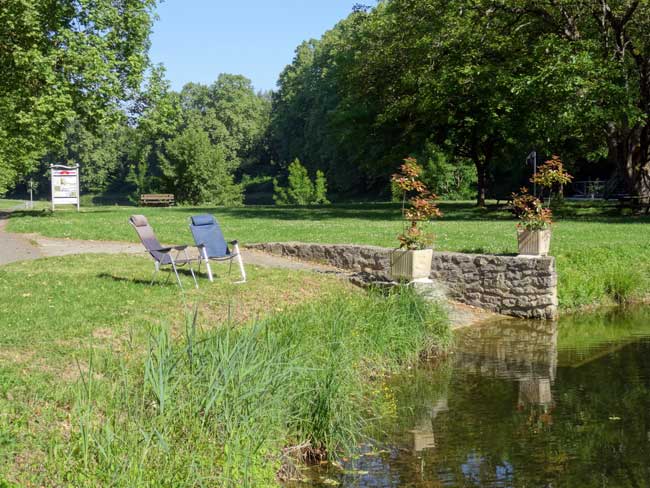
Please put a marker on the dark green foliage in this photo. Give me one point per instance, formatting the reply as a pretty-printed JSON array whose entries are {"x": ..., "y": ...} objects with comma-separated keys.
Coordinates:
[
  {"x": 64, "y": 61},
  {"x": 448, "y": 178},
  {"x": 485, "y": 81}
]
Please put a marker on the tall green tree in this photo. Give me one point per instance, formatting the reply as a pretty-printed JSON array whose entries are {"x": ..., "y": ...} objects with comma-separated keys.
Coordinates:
[
  {"x": 198, "y": 170},
  {"x": 61, "y": 61},
  {"x": 594, "y": 72}
]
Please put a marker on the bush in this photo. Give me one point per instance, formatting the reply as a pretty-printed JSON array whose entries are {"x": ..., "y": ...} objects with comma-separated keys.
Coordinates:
[
  {"x": 447, "y": 177},
  {"x": 197, "y": 172},
  {"x": 301, "y": 190}
]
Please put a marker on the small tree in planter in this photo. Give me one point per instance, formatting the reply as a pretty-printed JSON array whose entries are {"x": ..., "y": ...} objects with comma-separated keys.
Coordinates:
[
  {"x": 553, "y": 176},
  {"x": 413, "y": 260},
  {"x": 534, "y": 228}
]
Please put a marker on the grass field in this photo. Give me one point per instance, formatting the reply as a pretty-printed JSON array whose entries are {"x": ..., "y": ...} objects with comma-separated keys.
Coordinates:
[
  {"x": 103, "y": 376},
  {"x": 7, "y": 204},
  {"x": 598, "y": 251},
  {"x": 56, "y": 314}
]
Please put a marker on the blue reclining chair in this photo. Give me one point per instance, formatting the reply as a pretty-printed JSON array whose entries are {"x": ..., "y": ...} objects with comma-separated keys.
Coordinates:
[{"x": 212, "y": 245}]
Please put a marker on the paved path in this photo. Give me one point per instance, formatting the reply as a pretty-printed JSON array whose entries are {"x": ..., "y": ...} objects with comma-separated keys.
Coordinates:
[
  {"x": 21, "y": 247},
  {"x": 14, "y": 247}
]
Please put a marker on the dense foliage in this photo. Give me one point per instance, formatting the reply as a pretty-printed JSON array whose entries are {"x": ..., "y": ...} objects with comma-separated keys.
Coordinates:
[
  {"x": 300, "y": 189},
  {"x": 62, "y": 62},
  {"x": 482, "y": 81},
  {"x": 468, "y": 87}
]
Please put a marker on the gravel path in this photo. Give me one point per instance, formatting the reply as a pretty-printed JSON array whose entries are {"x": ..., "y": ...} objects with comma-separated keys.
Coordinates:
[{"x": 21, "y": 247}]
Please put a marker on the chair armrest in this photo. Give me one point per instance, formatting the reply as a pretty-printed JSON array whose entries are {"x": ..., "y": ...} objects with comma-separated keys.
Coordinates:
[
  {"x": 172, "y": 248},
  {"x": 163, "y": 249}
]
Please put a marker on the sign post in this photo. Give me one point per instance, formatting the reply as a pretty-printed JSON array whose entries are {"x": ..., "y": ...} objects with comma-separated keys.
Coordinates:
[{"x": 65, "y": 185}]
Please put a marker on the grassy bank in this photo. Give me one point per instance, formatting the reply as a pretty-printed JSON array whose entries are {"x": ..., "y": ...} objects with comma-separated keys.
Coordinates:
[
  {"x": 53, "y": 312},
  {"x": 107, "y": 381},
  {"x": 600, "y": 254}
]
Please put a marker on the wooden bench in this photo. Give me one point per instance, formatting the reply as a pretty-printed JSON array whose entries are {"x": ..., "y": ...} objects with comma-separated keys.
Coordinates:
[{"x": 157, "y": 200}]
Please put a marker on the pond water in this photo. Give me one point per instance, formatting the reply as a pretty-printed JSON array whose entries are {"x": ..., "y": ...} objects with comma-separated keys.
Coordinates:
[{"x": 520, "y": 404}]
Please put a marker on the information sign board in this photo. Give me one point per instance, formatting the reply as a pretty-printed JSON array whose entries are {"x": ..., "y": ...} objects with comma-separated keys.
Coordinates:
[{"x": 65, "y": 185}]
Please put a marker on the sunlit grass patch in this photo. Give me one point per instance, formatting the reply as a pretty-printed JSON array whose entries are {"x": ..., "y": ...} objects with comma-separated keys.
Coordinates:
[
  {"x": 222, "y": 405},
  {"x": 60, "y": 318},
  {"x": 588, "y": 239}
]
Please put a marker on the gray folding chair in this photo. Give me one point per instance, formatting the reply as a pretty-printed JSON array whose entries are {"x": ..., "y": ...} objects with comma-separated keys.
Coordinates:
[
  {"x": 162, "y": 256},
  {"x": 212, "y": 245}
]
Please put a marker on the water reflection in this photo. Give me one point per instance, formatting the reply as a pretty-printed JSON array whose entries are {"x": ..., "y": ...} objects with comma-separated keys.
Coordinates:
[{"x": 524, "y": 404}]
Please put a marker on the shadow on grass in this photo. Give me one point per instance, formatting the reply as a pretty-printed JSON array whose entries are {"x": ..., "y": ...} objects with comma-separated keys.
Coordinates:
[
  {"x": 599, "y": 212},
  {"x": 164, "y": 278},
  {"x": 382, "y": 211}
]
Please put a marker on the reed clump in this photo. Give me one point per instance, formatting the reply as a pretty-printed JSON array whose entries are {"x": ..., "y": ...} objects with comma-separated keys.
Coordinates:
[{"x": 224, "y": 407}]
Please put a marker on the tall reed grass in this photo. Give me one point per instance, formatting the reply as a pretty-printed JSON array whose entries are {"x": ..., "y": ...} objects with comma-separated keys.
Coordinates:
[{"x": 217, "y": 408}]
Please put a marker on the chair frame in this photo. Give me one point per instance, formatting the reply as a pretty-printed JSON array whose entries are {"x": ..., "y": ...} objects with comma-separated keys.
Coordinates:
[
  {"x": 234, "y": 254},
  {"x": 175, "y": 262}
]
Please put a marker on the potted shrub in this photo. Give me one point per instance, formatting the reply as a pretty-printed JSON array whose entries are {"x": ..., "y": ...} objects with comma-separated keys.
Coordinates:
[
  {"x": 412, "y": 260},
  {"x": 534, "y": 228},
  {"x": 553, "y": 176}
]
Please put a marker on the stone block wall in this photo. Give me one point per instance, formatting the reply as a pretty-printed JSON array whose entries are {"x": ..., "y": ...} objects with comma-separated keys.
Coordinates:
[{"x": 519, "y": 286}]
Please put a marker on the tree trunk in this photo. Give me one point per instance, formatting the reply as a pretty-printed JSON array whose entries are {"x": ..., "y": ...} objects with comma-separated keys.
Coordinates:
[
  {"x": 628, "y": 150},
  {"x": 481, "y": 182}
]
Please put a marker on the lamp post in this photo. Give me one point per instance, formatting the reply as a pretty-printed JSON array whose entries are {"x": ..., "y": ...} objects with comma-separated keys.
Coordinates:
[
  {"x": 31, "y": 193},
  {"x": 532, "y": 158}
]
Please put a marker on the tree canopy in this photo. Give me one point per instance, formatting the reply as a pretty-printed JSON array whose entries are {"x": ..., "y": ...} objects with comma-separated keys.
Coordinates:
[
  {"x": 62, "y": 61},
  {"x": 468, "y": 87}
]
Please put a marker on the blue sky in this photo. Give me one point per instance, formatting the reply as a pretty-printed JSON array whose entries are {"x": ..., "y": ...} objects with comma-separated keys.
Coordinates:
[{"x": 198, "y": 39}]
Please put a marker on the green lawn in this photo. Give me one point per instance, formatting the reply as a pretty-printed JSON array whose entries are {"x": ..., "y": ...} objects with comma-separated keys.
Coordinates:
[
  {"x": 6, "y": 204},
  {"x": 104, "y": 381},
  {"x": 62, "y": 317},
  {"x": 594, "y": 245}
]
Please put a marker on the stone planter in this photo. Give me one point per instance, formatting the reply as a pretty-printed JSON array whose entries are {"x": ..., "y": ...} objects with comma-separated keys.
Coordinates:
[
  {"x": 534, "y": 242},
  {"x": 410, "y": 265}
]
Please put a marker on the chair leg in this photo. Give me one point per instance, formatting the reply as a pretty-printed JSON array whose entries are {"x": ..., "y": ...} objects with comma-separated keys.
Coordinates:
[
  {"x": 189, "y": 263},
  {"x": 153, "y": 278},
  {"x": 169, "y": 275},
  {"x": 207, "y": 265},
  {"x": 178, "y": 278},
  {"x": 240, "y": 262}
]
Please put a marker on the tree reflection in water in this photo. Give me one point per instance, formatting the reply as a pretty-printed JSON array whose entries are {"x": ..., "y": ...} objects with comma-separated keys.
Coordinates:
[{"x": 525, "y": 404}]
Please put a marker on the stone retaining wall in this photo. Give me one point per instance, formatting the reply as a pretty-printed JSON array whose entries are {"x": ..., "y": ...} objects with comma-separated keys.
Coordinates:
[{"x": 511, "y": 285}]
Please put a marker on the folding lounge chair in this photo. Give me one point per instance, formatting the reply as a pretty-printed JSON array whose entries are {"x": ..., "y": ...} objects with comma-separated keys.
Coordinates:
[
  {"x": 162, "y": 255},
  {"x": 212, "y": 245}
]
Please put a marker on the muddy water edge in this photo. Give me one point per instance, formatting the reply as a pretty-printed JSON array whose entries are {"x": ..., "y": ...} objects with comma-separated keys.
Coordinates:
[{"x": 518, "y": 403}]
